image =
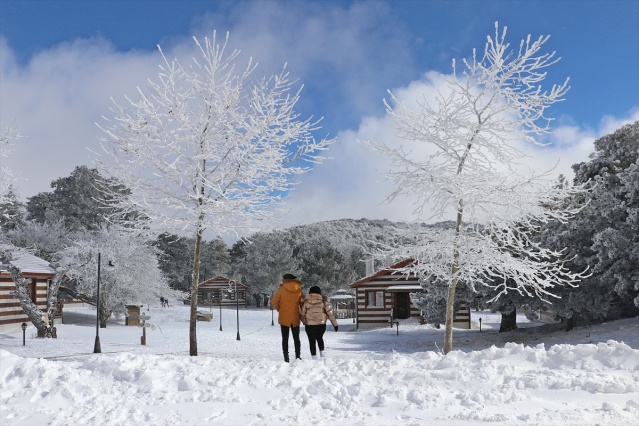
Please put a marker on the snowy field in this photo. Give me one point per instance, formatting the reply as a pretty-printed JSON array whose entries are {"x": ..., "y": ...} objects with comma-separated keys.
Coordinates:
[{"x": 534, "y": 376}]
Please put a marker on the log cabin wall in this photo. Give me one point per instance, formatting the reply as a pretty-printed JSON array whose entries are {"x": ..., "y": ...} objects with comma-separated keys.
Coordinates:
[
  {"x": 384, "y": 297},
  {"x": 11, "y": 314},
  {"x": 212, "y": 292}
]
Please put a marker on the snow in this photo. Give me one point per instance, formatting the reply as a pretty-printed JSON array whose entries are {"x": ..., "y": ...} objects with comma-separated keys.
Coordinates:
[
  {"x": 537, "y": 375},
  {"x": 27, "y": 262}
]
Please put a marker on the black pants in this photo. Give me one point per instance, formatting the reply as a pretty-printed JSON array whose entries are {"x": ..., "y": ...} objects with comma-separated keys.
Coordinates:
[
  {"x": 315, "y": 334},
  {"x": 296, "y": 340}
]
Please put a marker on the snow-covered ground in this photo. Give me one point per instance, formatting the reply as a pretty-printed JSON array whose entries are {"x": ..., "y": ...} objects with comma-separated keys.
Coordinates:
[{"x": 534, "y": 376}]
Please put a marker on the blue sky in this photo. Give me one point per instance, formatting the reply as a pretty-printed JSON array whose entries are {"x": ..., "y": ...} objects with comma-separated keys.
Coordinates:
[{"x": 63, "y": 60}]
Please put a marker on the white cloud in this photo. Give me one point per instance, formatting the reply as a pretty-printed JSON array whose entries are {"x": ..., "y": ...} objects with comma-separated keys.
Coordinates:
[
  {"x": 56, "y": 99},
  {"x": 352, "y": 185},
  {"x": 62, "y": 91},
  {"x": 346, "y": 67}
]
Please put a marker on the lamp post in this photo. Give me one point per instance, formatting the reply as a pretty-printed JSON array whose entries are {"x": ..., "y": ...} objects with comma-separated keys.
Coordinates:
[
  {"x": 24, "y": 330},
  {"x": 237, "y": 309},
  {"x": 270, "y": 302},
  {"x": 220, "y": 298},
  {"x": 96, "y": 346},
  {"x": 353, "y": 302},
  {"x": 355, "y": 308}
]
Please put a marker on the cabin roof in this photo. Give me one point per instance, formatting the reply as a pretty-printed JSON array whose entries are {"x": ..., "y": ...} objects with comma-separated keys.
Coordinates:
[
  {"x": 26, "y": 262},
  {"x": 221, "y": 281},
  {"x": 386, "y": 271}
]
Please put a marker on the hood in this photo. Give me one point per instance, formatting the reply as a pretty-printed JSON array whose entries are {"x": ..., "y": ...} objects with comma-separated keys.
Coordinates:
[
  {"x": 314, "y": 298},
  {"x": 292, "y": 285}
]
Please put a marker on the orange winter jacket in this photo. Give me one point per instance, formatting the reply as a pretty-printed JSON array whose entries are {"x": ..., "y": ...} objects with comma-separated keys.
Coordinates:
[
  {"x": 286, "y": 302},
  {"x": 316, "y": 309}
]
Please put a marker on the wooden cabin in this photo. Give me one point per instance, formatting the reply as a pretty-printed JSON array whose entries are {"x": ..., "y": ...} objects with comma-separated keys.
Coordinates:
[
  {"x": 385, "y": 296},
  {"x": 40, "y": 273},
  {"x": 220, "y": 291}
]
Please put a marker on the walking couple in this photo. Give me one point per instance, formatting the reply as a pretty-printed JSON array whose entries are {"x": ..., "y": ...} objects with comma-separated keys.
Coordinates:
[{"x": 313, "y": 311}]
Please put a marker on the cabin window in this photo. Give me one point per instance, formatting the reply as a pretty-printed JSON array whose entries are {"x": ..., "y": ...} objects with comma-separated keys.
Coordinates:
[{"x": 375, "y": 298}]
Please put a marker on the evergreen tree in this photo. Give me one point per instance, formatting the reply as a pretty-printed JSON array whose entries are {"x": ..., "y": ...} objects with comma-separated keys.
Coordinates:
[
  {"x": 216, "y": 259},
  {"x": 13, "y": 212},
  {"x": 79, "y": 200},
  {"x": 321, "y": 265},
  {"x": 604, "y": 236},
  {"x": 175, "y": 259},
  {"x": 268, "y": 257}
]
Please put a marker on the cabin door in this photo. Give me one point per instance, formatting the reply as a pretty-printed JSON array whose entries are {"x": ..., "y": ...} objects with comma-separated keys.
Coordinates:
[{"x": 402, "y": 305}]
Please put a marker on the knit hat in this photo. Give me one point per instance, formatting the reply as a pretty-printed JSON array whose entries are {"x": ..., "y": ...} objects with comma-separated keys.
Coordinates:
[
  {"x": 289, "y": 277},
  {"x": 315, "y": 289}
]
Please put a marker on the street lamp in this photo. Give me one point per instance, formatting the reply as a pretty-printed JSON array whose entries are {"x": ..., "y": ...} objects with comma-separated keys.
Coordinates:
[
  {"x": 96, "y": 346},
  {"x": 270, "y": 302},
  {"x": 24, "y": 330},
  {"x": 220, "y": 298},
  {"x": 353, "y": 307},
  {"x": 237, "y": 307}
]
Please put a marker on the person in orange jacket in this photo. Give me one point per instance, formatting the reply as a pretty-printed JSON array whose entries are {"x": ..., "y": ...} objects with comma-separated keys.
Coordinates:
[{"x": 286, "y": 302}]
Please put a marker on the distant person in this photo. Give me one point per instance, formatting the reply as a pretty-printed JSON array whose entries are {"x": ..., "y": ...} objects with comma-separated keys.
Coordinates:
[
  {"x": 162, "y": 301},
  {"x": 286, "y": 302},
  {"x": 316, "y": 309},
  {"x": 166, "y": 302}
]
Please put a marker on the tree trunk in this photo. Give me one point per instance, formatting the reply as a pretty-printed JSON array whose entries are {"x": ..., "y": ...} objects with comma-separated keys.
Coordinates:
[
  {"x": 450, "y": 316},
  {"x": 508, "y": 321},
  {"x": 450, "y": 303},
  {"x": 52, "y": 302},
  {"x": 105, "y": 316},
  {"x": 570, "y": 323},
  {"x": 194, "y": 283}
]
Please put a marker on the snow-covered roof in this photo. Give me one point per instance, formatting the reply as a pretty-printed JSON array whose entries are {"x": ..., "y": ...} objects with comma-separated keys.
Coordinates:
[
  {"x": 26, "y": 262},
  {"x": 404, "y": 288},
  {"x": 386, "y": 271},
  {"x": 221, "y": 281},
  {"x": 341, "y": 297}
]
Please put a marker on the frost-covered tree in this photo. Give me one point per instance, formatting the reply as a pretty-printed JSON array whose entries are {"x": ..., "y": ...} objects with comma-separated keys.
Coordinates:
[
  {"x": 267, "y": 257},
  {"x": 13, "y": 212},
  {"x": 432, "y": 299},
  {"x": 42, "y": 239},
  {"x": 604, "y": 236},
  {"x": 237, "y": 253},
  {"x": 136, "y": 277},
  {"x": 81, "y": 200},
  {"x": 475, "y": 127},
  {"x": 322, "y": 265},
  {"x": 347, "y": 242},
  {"x": 208, "y": 146},
  {"x": 615, "y": 208},
  {"x": 216, "y": 259},
  {"x": 176, "y": 259}
]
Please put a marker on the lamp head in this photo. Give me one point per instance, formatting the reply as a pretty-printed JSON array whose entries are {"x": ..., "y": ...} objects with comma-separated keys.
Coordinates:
[{"x": 24, "y": 326}]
